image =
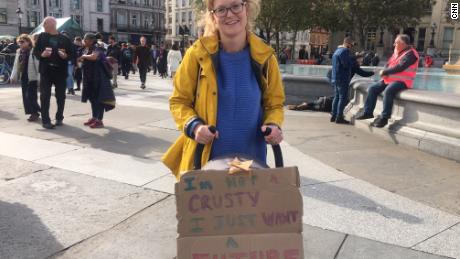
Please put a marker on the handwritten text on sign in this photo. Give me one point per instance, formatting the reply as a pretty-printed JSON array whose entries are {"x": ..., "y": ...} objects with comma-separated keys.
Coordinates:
[{"x": 204, "y": 200}]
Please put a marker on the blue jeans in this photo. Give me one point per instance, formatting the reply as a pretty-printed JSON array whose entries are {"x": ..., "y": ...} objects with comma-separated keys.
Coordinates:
[
  {"x": 340, "y": 99},
  {"x": 389, "y": 93},
  {"x": 69, "y": 77},
  {"x": 97, "y": 109}
]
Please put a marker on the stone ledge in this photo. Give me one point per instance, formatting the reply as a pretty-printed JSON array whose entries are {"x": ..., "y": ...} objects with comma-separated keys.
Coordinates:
[{"x": 427, "y": 121}]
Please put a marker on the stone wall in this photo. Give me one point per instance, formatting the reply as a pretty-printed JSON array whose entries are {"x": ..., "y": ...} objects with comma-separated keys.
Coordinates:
[{"x": 428, "y": 121}]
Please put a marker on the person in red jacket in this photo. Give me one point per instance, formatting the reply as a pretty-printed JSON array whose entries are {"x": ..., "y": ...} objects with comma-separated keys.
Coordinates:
[{"x": 398, "y": 75}]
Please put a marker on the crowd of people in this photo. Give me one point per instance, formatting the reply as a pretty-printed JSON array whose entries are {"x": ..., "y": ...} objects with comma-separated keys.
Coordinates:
[{"x": 53, "y": 58}]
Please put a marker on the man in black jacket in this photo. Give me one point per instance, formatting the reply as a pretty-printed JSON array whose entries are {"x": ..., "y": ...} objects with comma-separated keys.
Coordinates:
[{"x": 53, "y": 50}]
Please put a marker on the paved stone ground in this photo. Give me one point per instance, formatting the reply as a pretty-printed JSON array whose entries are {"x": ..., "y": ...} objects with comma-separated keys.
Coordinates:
[{"x": 79, "y": 193}]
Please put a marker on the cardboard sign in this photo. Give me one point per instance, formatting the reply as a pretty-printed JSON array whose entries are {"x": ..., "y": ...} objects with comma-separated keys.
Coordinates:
[
  {"x": 255, "y": 246},
  {"x": 211, "y": 203},
  {"x": 255, "y": 215}
]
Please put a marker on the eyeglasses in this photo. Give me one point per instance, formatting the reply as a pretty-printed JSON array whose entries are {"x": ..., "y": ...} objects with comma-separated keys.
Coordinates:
[
  {"x": 21, "y": 41},
  {"x": 222, "y": 11}
]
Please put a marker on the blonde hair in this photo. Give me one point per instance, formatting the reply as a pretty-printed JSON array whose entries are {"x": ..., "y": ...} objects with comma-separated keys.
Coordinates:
[
  {"x": 207, "y": 20},
  {"x": 25, "y": 37}
]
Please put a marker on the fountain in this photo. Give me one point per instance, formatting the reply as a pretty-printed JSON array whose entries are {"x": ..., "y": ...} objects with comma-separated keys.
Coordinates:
[{"x": 426, "y": 117}]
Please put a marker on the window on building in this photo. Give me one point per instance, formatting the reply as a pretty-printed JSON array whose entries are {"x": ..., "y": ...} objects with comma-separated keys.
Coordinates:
[
  {"x": 100, "y": 25},
  {"x": 121, "y": 19},
  {"x": 55, "y": 15},
  {"x": 99, "y": 6},
  {"x": 147, "y": 2},
  {"x": 146, "y": 23},
  {"x": 447, "y": 39},
  {"x": 134, "y": 20},
  {"x": 184, "y": 15},
  {"x": 183, "y": 2},
  {"x": 371, "y": 36},
  {"x": 35, "y": 2},
  {"x": 76, "y": 4},
  {"x": 54, "y": 3},
  {"x": 190, "y": 16},
  {"x": 421, "y": 39},
  {"x": 427, "y": 7},
  {"x": 34, "y": 19},
  {"x": 3, "y": 17}
]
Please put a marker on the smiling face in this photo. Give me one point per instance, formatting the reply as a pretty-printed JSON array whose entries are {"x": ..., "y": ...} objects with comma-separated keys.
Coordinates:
[{"x": 230, "y": 17}]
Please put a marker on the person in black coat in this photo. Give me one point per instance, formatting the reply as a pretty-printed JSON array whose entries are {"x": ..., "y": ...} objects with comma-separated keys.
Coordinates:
[
  {"x": 96, "y": 82},
  {"x": 163, "y": 62}
]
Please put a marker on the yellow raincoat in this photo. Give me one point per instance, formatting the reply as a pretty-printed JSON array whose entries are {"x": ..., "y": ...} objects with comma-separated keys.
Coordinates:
[{"x": 195, "y": 95}]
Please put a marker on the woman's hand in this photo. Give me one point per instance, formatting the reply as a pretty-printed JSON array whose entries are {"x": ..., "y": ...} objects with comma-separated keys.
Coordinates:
[
  {"x": 203, "y": 135},
  {"x": 275, "y": 137}
]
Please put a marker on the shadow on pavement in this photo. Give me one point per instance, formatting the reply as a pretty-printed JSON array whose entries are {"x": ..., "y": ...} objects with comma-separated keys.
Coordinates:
[
  {"x": 351, "y": 200},
  {"x": 8, "y": 115},
  {"x": 116, "y": 140},
  {"x": 23, "y": 234}
]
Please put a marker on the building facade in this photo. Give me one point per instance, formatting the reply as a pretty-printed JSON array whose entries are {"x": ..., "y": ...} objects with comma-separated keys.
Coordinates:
[
  {"x": 181, "y": 22},
  {"x": 92, "y": 15},
  {"x": 132, "y": 19},
  {"x": 9, "y": 20}
]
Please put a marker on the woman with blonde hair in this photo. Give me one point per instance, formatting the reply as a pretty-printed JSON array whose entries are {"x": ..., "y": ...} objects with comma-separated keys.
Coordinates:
[
  {"x": 25, "y": 68},
  {"x": 229, "y": 79}
]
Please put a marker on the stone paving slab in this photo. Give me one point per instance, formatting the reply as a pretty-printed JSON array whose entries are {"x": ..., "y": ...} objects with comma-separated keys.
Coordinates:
[
  {"x": 163, "y": 184},
  {"x": 320, "y": 243},
  {"x": 314, "y": 170},
  {"x": 47, "y": 211},
  {"x": 12, "y": 168},
  {"x": 102, "y": 164},
  {"x": 30, "y": 149},
  {"x": 447, "y": 243},
  {"x": 356, "y": 247},
  {"x": 149, "y": 234},
  {"x": 361, "y": 209}
]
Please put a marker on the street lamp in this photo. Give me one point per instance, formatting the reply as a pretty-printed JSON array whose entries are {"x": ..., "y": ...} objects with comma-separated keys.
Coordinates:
[
  {"x": 19, "y": 14},
  {"x": 433, "y": 28}
]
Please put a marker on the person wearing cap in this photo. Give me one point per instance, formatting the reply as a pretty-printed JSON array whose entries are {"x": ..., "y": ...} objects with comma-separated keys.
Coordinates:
[
  {"x": 398, "y": 75},
  {"x": 54, "y": 51},
  {"x": 340, "y": 79},
  {"x": 96, "y": 81}
]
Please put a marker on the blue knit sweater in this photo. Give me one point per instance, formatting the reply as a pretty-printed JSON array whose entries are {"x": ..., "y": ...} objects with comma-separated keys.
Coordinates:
[{"x": 239, "y": 110}]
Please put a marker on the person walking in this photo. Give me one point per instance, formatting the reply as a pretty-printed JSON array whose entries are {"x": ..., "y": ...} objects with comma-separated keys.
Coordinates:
[
  {"x": 126, "y": 59},
  {"x": 71, "y": 63},
  {"x": 340, "y": 79},
  {"x": 53, "y": 50},
  {"x": 96, "y": 82},
  {"x": 174, "y": 59},
  {"x": 241, "y": 93},
  {"x": 114, "y": 57},
  {"x": 163, "y": 62},
  {"x": 143, "y": 60},
  {"x": 25, "y": 69},
  {"x": 77, "y": 74},
  {"x": 398, "y": 75},
  {"x": 155, "y": 54}
]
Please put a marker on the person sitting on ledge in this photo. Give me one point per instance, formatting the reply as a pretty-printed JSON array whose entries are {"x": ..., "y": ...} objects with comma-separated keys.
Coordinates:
[{"x": 398, "y": 75}]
